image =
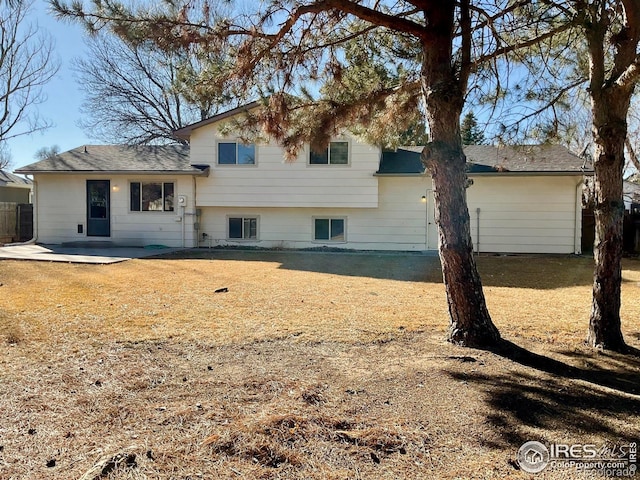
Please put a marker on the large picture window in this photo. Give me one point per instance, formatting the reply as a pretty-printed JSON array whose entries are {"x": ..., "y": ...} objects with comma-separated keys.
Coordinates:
[
  {"x": 151, "y": 196},
  {"x": 337, "y": 153},
  {"x": 329, "y": 229},
  {"x": 243, "y": 228},
  {"x": 236, "y": 153}
]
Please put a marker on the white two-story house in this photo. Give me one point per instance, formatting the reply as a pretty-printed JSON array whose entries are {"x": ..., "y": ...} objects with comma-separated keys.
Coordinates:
[{"x": 221, "y": 191}]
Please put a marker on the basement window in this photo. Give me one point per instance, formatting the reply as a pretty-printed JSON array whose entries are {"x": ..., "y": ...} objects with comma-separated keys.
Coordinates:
[
  {"x": 243, "y": 228},
  {"x": 329, "y": 229}
]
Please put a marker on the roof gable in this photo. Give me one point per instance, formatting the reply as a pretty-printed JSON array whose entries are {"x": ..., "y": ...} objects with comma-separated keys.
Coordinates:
[{"x": 185, "y": 132}]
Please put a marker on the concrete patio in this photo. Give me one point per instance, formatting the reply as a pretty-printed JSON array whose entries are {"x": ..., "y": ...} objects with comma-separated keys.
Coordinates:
[{"x": 103, "y": 254}]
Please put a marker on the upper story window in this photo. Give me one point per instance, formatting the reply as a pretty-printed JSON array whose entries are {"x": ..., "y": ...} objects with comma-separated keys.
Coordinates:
[
  {"x": 151, "y": 196},
  {"x": 337, "y": 153},
  {"x": 236, "y": 153}
]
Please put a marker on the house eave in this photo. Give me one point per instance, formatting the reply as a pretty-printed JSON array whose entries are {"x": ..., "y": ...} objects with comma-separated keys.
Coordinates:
[
  {"x": 383, "y": 174},
  {"x": 184, "y": 133},
  {"x": 529, "y": 174},
  {"x": 493, "y": 174},
  {"x": 27, "y": 186},
  {"x": 195, "y": 173}
]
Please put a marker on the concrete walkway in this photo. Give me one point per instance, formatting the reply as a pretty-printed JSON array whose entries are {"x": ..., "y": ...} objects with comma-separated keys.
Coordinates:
[{"x": 77, "y": 254}]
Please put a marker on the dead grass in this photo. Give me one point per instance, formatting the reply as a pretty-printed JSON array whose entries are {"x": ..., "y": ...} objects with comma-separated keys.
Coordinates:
[{"x": 310, "y": 366}]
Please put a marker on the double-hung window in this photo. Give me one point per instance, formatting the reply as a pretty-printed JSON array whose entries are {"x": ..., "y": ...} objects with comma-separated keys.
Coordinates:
[
  {"x": 336, "y": 153},
  {"x": 151, "y": 196},
  {"x": 243, "y": 228},
  {"x": 329, "y": 229},
  {"x": 236, "y": 153}
]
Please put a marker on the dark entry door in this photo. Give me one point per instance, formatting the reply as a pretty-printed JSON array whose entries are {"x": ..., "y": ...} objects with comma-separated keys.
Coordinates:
[{"x": 98, "y": 215}]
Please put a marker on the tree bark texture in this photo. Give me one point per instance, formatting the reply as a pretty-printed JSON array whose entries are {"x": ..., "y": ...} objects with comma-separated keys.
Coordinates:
[
  {"x": 444, "y": 85},
  {"x": 613, "y": 73},
  {"x": 610, "y": 131}
]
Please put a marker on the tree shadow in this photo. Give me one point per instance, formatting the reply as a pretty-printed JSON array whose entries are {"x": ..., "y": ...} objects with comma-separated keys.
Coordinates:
[
  {"x": 569, "y": 399},
  {"x": 542, "y": 272}
]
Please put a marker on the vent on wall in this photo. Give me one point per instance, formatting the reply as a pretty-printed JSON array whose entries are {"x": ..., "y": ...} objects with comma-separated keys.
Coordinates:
[{"x": 80, "y": 228}]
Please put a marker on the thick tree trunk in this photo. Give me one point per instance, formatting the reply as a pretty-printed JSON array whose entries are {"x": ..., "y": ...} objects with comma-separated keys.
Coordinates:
[
  {"x": 604, "y": 323},
  {"x": 444, "y": 86},
  {"x": 612, "y": 79},
  {"x": 470, "y": 324}
]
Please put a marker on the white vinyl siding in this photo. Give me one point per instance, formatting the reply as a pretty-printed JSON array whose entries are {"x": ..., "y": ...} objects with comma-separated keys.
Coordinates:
[
  {"x": 397, "y": 224},
  {"x": 61, "y": 207},
  {"x": 276, "y": 182},
  {"x": 517, "y": 214},
  {"x": 527, "y": 214}
]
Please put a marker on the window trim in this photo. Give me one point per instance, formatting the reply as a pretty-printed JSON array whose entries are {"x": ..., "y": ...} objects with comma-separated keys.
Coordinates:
[
  {"x": 329, "y": 164},
  {"x": 329, "y": 217},
  {"x": 237, "y": 141},
  {"x": 162, "y": 182},
  {"x": 243, "y": 217}
]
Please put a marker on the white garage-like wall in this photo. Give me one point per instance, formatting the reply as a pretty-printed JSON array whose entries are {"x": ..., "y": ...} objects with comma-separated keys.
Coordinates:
[{"x": 525, "y": 213}]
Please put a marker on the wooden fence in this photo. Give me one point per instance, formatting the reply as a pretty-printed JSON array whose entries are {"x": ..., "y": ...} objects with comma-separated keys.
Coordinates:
[
  {"x": 16, "y": 222},
  {"x": 8, "y": 222}
]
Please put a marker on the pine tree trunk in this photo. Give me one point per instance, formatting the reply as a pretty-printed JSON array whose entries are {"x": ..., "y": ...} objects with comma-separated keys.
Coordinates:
[
  {"x": 612, "y": 79},
  {"x": 604, "y": 323},
  {"x": 444, "y": 86},
  {"x": 469, "y": 320}
]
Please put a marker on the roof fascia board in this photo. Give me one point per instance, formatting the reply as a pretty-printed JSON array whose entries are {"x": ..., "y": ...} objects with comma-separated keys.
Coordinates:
[
  {"x": 184, "y": 133},
  {"x": 200, "y": 173},
  {"x": 529, "y": 174}
]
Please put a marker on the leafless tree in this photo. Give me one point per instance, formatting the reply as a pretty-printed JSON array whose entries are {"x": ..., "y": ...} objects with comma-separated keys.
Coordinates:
[
  {"x": 47, "y": 152},
  {"x": 137, "y": 93},
  {"x": 5, "y": 156},
  {"x": 26, "y": 64}
]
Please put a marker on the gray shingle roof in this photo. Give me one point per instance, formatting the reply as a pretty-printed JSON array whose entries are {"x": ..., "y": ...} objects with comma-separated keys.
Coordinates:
[
  {"x": 491, "y": 159},
  {"x": 10, "y": 179},
  {"x": 119, "y": 158}
]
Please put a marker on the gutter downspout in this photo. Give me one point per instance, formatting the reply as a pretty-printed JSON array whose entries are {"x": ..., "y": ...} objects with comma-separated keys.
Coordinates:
[
  {"x": 577, "y": 225},
  {"x": 34, "y": 239},
  {"x": 183, "y": 219},
  {"x": 196, "y": 218},
  {"x": 477, "y": 230}
]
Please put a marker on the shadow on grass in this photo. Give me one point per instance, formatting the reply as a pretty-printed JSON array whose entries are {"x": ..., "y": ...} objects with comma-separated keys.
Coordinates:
[
  {"x": 561, "y": 402},
  {"x": 519, "y": 271}
]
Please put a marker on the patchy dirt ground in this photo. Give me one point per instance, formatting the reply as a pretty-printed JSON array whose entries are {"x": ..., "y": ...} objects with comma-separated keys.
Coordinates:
[{"x": 309, "y": 366}]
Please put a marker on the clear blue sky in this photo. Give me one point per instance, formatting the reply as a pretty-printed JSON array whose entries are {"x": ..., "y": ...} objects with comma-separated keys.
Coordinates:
[{"x": 64, "y": 97}]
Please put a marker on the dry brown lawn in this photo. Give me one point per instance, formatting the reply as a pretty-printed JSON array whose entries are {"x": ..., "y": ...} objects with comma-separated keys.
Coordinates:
[{"x": 310, "y": 366}]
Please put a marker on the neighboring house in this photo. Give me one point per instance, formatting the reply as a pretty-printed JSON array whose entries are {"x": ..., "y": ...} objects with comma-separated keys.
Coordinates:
[
  {"x": 631, "y": 192},
  {"x": 353, "y": 196},
  {"x": 14, "y": 189}
]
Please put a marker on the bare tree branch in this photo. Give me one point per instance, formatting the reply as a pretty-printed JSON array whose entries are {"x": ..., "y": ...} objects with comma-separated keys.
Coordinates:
[{"x": 26, "y": 64}]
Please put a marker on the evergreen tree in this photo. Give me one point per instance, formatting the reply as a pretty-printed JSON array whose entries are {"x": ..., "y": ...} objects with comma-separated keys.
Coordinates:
[{"x": 471, "y": 133}]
